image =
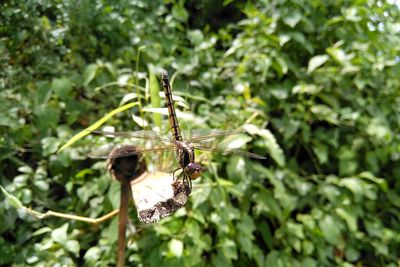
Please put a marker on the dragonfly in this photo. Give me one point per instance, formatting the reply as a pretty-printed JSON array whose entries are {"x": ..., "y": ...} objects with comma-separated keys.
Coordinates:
[{"x": 184, "y": 148}]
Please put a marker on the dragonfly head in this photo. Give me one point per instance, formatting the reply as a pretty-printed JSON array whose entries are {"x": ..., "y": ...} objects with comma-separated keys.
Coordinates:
[{"x": 193, "y": 170}]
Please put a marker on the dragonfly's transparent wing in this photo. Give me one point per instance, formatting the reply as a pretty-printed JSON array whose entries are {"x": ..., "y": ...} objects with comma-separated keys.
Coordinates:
[
  {"x": 227, "y": 151},
  {"x": 148, "y": 135},
  {"x": 128, "y": 150},
  {"x": 207, "y": 134}
]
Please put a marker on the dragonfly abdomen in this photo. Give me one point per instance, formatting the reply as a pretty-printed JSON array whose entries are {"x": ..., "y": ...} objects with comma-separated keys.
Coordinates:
[{"x": 173, "y": 121}]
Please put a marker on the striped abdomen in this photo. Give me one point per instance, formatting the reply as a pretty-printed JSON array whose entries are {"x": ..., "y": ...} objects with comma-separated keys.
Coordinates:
[{"x": 173, "y": 121}]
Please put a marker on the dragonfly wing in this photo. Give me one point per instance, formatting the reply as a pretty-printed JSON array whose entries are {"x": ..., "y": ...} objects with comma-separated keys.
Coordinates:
[
  {"x": 119, "y": 151},
  {"x": 227, "y": 151},
  {"x": 207, "y": 134},
  {"x": 148, "y": 135},
  {"x": 128, "y": 150}
]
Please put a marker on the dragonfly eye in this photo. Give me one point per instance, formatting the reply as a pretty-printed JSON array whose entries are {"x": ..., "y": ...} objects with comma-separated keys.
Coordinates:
[{"x": 193, "y": 170}]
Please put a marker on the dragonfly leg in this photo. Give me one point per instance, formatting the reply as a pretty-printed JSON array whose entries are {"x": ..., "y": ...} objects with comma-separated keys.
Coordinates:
[
  {"x": 186, "y": 181},
  {"x": 173, "y": 174},
  {"x": 190, "y": 183}
]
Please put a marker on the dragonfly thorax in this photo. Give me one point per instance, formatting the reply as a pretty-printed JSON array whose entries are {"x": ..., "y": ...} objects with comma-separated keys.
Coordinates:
[{"x": 184, "y": 153}]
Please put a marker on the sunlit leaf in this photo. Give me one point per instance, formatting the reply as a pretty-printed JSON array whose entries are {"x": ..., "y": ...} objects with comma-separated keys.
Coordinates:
[
  {"x": 349, "y": 216},
  {"x": 352, "y": 254},
  {"x": 59, "y": 235},
  {"x": 89, "y": 74},
  {"x": 330, "y": 229},
  {"x": 73, "y": 246},
  {"x": 41, "y": 231},
  {"x": 179, "y": 12},
  {"x": 353, "y": 184},
  {"x": 292, "y": 19},
  {"x": 96, "y": 125},
  {"x": 316, "y": 62},
  {"x": 139, "y": 121},
  {"x": 369, "y": 176},
  {"x": 176, "y": 247},
  {"x": 306, "y": 89},
  {"x": 228, "y": 248},
  {"x": 25, "y": 169},
  {"x": 92, "y": 254},
  {"x": 273, "y": 147},
  {"x": 15, "y": 202},
  {"x": 235, "y": 141},
  {"x": 155, "y": 96},
  {"x": 196, "y": 37}
]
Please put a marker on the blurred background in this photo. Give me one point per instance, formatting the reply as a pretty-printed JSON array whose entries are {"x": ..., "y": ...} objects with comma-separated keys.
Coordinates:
[{"x": 316, "y": 83}]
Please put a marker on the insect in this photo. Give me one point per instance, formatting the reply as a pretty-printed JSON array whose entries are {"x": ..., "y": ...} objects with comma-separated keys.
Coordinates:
[{"x": 184, "y": 148}]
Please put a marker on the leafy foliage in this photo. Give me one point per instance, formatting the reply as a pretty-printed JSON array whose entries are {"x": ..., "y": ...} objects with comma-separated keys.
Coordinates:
[{"x": 314, "y": 83}]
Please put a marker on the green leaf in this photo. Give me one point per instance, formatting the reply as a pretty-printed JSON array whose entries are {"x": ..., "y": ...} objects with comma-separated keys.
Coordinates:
[
  {"x": 326, "y": 113},
  {"x": 355, "y": 185},
  {"x": 59, "y": 235},
  {"x": 229, "y": 249},
  {"x": 89, "y": 74},
  {"x": 295, "y": 229},
  {"x": 155, "y": 96},
  {"x": 92, "y": 254},
  {"x": 292, "y": 19},
  {"x": 266, "y": 203},
  {"x": 236, "y": 169},
  {"x": 263, "y": 227},
  {"x": 352, "y": 254},
  {"x": 316, "y": 62},
  {"x": 7, "y": 253},
  {"x": 281, "y": 66},
  {"x": 235, "y": 141},
  {"x": 309, "y": 262},
  {"x": 349, "y": 215},
  {"x": 176, "y": 247},
  {"x": 273, "y": 148},
  {"x": 321, "y": 151},
  {"x": 15, "y": 202},
  {"x": 379, "y": 130},
  {"x": 112, "y": 231},
  {"x": 114, "y": 194},
  {"x": 25, "y": 169},
  {"x": 245, "y": 244},
  {"x": 273, "y": 259},
  {"x": 179, "y": 12},
  {"x": 50, "y": 145},
  {"x": 44, "y": 92},
  {"x": 379, "y": 181},
  {"x": 347, "y": 166},
  {"x": 308, "y": 247},
  {"x": 330, "y": 229},
  {"x": 62, "y": 87},
  {"x": 196, "y": 37},
  {"x": 46, "y": 117},
  {"x": 73, "y": 246},
  {"x": 141, "y": 122},
  {"x": 96, "y": 125},
  {"x": 306, "y": 89},
  {"x": 42, "y": 231},
  {"x": 258, "y": 256}
]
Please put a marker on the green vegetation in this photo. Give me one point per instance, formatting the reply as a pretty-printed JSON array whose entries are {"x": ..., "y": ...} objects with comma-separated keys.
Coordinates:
[{"x": 315, "y": 83}]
